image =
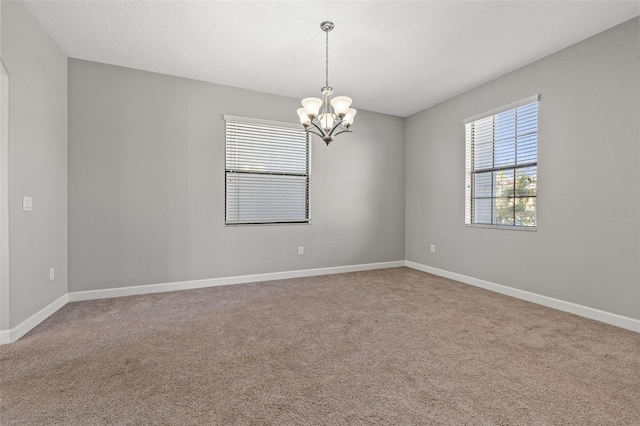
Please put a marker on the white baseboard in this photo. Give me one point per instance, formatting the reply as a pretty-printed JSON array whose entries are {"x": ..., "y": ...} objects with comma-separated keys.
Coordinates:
[
  {"x": 213, "y": 282},
  {"x": 561, "y": 305},
  {"x": 5, "y": 337},
  {"x": 9, "y": 336}
]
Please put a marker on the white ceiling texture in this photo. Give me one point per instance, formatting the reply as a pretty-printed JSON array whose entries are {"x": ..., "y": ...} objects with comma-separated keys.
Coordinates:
[{"x": 394, "y": 57}]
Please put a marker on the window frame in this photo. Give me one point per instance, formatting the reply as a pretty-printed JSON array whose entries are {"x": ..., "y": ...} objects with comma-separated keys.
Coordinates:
[
  {"x": 230, "y": 171},
  {"x": 471, "y": 171}
]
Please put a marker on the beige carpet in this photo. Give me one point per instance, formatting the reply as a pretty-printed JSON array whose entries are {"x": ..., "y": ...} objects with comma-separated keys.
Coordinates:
[{"x": 387, "y": 347}]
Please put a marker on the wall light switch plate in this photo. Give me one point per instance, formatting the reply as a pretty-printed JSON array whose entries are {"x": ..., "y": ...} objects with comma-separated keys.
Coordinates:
[
  {"x": 27, "y": 204},
  {"x": 52, "y": 273}
]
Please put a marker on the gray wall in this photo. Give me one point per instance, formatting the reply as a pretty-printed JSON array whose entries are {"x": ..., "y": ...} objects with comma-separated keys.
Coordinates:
[
  {"x": 146, "y": 185},
  {"x": 38, "y": 161},
  {"x": 589, "y": 138}
]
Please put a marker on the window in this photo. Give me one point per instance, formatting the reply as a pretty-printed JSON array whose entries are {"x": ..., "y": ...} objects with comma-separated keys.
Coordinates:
[
  {"x": 502, "y": 167},
  {"x": 267, "y": 172}
]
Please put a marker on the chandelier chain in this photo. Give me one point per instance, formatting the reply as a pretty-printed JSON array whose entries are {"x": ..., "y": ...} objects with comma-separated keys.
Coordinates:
[{"x": 327, "y": 60}]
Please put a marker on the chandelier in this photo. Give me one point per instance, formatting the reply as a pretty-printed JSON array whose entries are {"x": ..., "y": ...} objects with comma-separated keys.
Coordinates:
[{"x": 327, "y": 117}]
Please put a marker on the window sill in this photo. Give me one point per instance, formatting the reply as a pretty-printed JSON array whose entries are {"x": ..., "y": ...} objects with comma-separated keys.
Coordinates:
[
  {"x": 233, "y": 225},
  {"x": 507, "y": 228}
]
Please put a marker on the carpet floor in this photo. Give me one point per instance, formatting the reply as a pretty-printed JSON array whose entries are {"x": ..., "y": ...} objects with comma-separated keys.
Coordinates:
[{"x": 385, "y": 347}]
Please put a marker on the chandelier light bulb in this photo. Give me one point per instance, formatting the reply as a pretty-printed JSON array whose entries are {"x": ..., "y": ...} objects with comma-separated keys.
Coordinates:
[
  {"x": 340, "y": 105},
  {"x": 347, "y": 121},
  {"x": 304, "y": 118},
  {"x": 326, "y": 121},
  {"x": 312, "y": 107}
]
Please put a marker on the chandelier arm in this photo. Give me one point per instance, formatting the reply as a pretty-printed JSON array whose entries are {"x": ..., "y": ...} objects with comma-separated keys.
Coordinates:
[
  {"x": 321, "y": 130},
  {"x": 343, "y": 131},
  {"x": 335, "y": 126},
  {"x": 315, "y": 133}
]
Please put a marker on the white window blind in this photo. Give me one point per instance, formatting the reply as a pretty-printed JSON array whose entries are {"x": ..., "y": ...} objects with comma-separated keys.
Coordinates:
[
  {"x": 267, "y": 172},
  {"x": 502, "y": 167}
]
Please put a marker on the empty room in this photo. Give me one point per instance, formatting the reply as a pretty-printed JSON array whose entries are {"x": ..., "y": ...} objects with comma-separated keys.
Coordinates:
[{"x": 319, "y": 213}]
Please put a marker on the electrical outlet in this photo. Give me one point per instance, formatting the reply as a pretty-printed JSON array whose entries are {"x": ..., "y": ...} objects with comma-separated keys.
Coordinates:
[
  {"x": 301, "y": 250},
  {"x": 433, "y": 248},
  {"x": 52, "y": 273},
  {"x": 27, "y": 204}
]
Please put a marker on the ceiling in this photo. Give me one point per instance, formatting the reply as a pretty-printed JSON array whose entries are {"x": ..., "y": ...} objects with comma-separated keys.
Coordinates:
[{"x": 393, "y": 57}]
